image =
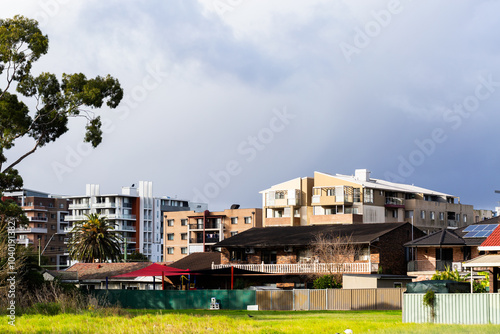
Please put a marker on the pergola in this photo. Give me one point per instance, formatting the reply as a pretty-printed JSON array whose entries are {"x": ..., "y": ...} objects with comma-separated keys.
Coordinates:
[{"x": 486, "y": 261}]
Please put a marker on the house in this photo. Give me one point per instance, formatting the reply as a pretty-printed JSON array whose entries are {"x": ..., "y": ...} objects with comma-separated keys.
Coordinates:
[
  {"x": 359, "y": 198},
  {"x": 449, "y": 248},
  {"x": 134, "y": 212},
  {"x": 374, "y": 281},
  {"x": 188, "y": 232},
  {"x": 287, "y": 249}
]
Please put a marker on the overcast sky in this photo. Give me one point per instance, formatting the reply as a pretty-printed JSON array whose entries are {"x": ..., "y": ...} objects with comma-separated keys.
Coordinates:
[{"x": 225, "y": 98}]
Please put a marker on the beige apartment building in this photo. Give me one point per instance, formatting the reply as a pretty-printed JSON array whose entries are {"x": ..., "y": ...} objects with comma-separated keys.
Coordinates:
[
  {"x": 187, "y": 232},
  {"x": 358, "y": 198}
]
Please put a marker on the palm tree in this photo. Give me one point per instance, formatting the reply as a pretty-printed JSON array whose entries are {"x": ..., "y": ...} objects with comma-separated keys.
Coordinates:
[{"x": 94, "y": 239}]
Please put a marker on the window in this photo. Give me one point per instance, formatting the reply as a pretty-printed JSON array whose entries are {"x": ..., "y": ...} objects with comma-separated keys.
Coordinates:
[
  {"x": 368, "y": 197},
  {"x": 184, "y": 222},
  {"x": 433, "y": 215},
  {"x": 52, "y": 216},
  {"x": 409, "y": 214},
  {"x": 184, "y": 236},
  {"x": 52, "y": 227},
  {"x": 441, "y": 216},
  {"x": 394, "y": 213},
  {"x": 248, "y": 220},
  {"x": 233, "y": 233},
  {"x": 357, "y": 195},
  {"x": 170, "y": 236},
  {"x": 234, "y": 220},
  {"x": 170, "y": 250},
  {"x": 184, "y": 250},
  {"x": 422, "y": 214},
  {"x": 170, "y": 222},
  {"x": 457, "y": 217},
  {"x": 61, "y": 206},
  {"x": 465, "y": 218},
  {"x": 279, "y": 195},
  {"x": 330, "y": 192}
]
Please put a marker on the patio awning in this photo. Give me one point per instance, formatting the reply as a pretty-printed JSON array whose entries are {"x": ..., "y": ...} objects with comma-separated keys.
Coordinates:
[
  {"x": 156, "y": 270},
  {"x": 488, "y": 260}
]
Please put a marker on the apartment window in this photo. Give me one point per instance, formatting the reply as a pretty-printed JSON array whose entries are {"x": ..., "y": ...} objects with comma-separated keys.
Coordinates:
[
  {"x": 184, "y": 236},
  {"x": 394, "y": 213},
  {"x": 409, "y": 214},
  {"x": 465, "y": 218},
  {"x": 422, "y": 214},
  {"x": 441, "y": 216},
  {"x": 61, "y": 206},
  {"x": 233, "y": 233},
  {"x": 368, "y": 196},
  {"x": 330, "y": 192},
  {"x": 184, "y": 222},
  {"x": 279, "y": 195},
  {"x": 184, "y": 250},
  {"x": 357, "y": 195},
  {"x": 234, "y": 220},
  {"x": 52, "y": 216},
  {"x": 457, "y": 217},
  {"x": 248, "y": 220},
  {"x": 52, "y": 227},
  {"x": 170, "y": 236},
  {"x": 170, "y": 250},
  {"x": 433, "y": 215},
  {"x": 170, "y": 222}
]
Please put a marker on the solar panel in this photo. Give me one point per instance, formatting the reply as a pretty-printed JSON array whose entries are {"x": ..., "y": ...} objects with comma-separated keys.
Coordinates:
[{"x": 480, "y": 231}]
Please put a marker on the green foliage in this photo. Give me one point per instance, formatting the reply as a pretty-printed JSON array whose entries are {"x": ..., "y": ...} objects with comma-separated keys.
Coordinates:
[
  {"x": 429, "y": 300},
  {"x": 94, "y": 239},
  {"x": 137, "y": 257},
  {"x": 21, "y": 44},
  {"x": 326, "y": 282},
  {"x": 448, "y": 274},
  {"x": 51, "y": 308}
]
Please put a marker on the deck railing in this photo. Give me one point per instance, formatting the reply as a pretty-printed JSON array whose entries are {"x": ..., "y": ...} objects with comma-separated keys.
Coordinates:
[{"x": 301, "y": 268}]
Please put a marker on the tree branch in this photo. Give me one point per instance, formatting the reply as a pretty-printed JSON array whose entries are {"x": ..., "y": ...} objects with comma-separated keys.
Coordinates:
[{"x": 23, "y": 156}]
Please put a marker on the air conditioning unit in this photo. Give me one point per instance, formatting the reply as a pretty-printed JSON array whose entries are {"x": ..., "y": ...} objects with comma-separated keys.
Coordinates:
[
  {"x": 457, "y": 266},
  {"x": 288, "y": 249},
  {"x": 249, "y": 250}
]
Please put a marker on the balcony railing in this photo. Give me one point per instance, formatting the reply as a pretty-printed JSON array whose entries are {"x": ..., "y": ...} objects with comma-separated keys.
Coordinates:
[
  {"x": 37, "y": 219},
  {"x": 25, "y": 230},
  {"x": 23, "y": 241},
  {"x": 207, "y": 226},
  {"x": 301, "y": 268},
  {"x": 75, "y": 218},
  {"x": 104, "y": 205},
  {"x": 125, "y": 228},
  {"x": 79, "y": 206},
  {"x": 207, "y": 240},
  {"x": 394, "y": 201},
  {"x": 432, "y": 266},
  {"x": 120, "y": 216}
]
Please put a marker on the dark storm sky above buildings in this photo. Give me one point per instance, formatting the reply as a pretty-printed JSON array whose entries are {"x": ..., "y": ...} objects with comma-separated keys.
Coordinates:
[{"x": 226, "y": 98}]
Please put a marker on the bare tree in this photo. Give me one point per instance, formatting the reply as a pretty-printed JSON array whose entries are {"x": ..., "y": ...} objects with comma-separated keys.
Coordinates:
[{"x": 334, "y": 251}]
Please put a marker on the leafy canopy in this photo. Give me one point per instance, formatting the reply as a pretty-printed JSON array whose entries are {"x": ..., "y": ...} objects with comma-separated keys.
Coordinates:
[{"x": 21, "y": 44}]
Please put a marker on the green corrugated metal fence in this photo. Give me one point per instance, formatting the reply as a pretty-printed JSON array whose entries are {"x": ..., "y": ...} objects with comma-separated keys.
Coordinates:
[
  {"x": 177, "y": 300},
  {"x": 454, "y": 308}
]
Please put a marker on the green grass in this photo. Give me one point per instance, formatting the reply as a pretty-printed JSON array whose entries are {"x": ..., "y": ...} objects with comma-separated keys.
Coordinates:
[{"x": 203, "y": 321}]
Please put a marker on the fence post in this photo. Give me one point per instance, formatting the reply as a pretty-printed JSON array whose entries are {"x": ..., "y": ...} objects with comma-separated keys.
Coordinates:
[{"x": 293, "y": 300}]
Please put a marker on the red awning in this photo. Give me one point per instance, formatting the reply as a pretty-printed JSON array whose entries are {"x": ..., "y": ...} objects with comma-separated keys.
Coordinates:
[{"x": 156, "y": 270}]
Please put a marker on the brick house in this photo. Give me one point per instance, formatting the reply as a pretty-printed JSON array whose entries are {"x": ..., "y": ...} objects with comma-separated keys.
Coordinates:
[
  {"x": 448, "y": 248},
  {"x": 287, "y": 249}
]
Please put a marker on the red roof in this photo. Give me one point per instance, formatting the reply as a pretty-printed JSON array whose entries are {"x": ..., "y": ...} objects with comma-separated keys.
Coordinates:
[
  {"x": 102, "y": 270},
  {"x": 493, "y": 240},
  {"x": 156, "y": 270}
]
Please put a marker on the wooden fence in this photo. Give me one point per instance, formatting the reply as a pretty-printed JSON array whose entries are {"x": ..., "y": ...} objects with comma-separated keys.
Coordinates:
[{"x": 330, "y": 299}]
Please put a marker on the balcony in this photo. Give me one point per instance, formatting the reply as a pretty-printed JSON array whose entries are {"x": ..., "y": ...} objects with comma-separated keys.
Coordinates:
[
  {"x": 68, "y": 229},
  {"x": 75, "y": 218},
  {"x": 125, "y": 228},
  {"x": 104, "y": 205},
  {"x": 130, "y": 240},
  {"x": 79, "y": 206},
  {"x": 334, "y": 195},
  {"x": 38, "y": 219},
  {"x": 303, "y": 268},
  {"x": 207, "y": 240},
  {"x": 120, "y": 216},
  {"x": 26, "y": 230},
  {"x": 283, "y": 198},
  {"x": 24, "y": 241},
  {"x": 394, "y": 202},
  {"x": 208, "y": 226},
  {"x": 432, "y": 266}
]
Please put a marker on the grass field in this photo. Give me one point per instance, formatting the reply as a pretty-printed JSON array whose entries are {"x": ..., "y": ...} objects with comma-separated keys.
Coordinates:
[{"x": 202, "y": 321}]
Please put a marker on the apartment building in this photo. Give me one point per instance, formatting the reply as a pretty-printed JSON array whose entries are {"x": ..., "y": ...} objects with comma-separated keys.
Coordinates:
[
  {"x": 45, "y": 229},
  {"x": 135, "y": 213},
  {"x": 358, "y": 198},
  {"x": 188, "y": 232}
]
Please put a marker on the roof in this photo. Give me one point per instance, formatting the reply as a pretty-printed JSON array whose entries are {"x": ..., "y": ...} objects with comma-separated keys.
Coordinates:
[
  {"x": 447, "y": 237},
  {"x": 89, "y": 271},
  {"x": 198, "y": 261},
  {"x": 305, "y": 235},
  {"x": 493, "y": 241},
  {"x": 488, "y": 260},
  {"x": 155, "y": 269}
]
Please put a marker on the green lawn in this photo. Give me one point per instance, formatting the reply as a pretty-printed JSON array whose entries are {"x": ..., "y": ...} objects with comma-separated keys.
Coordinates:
[{"x": 203, "y": 321}]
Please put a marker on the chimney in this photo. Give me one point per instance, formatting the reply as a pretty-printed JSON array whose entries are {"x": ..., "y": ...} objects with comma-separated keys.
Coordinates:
[{"x": 362, "y": 175}]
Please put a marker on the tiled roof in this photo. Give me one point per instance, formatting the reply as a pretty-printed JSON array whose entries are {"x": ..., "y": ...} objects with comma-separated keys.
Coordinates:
[
  {"x": 198, "y": 261},
  {"x": 87, "y": 271},
  {"x": 305, "y": 235},
  {"x": 493, "y": 240}
]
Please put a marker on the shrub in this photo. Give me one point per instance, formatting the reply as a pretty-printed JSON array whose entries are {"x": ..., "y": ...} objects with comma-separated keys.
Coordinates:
[{"x": 326, "y": 282}]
